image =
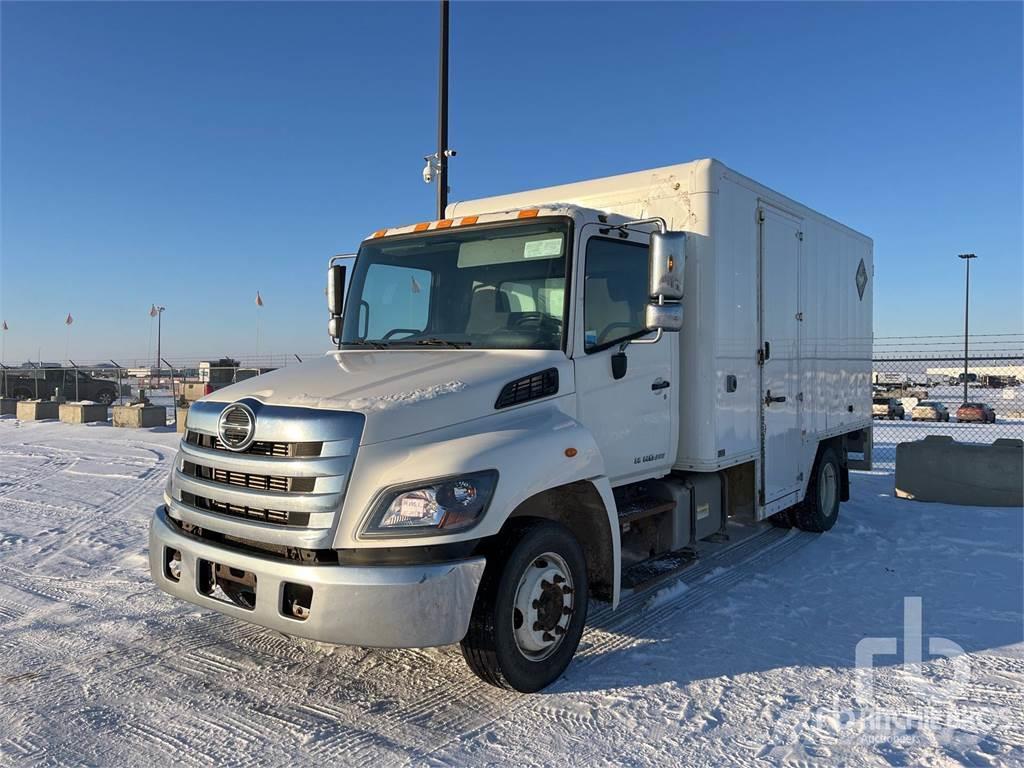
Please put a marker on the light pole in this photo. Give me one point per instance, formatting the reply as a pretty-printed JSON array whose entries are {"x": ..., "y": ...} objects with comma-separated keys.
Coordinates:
[
  {"x": 436, "y": 168},
  {"x": 442, "y": 116},
  {"x": 158, "y": 313},
  {"x": 967, "y": 312}
]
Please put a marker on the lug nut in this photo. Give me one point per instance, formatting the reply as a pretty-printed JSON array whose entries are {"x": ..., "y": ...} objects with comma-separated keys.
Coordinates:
[
  {"x": 537, "y": 626},
  {"x": 566, "y": 610},
  {"x": 548, "y": 637},
  {"x": 559, "y": 630},
  {"x": 535, "y": 604},
  {"x": 557, "y": 579},
  {"x": 567, "y": 590}
]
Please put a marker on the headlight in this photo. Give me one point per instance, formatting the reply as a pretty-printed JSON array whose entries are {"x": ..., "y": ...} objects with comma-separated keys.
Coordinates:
[{"x": 443, "y": 505}]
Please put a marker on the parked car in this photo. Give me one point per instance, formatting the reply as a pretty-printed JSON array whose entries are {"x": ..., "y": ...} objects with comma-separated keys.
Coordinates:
[
  {"x": 929, "y": 410},
  {"x": 887, "y": 408},
  {"x": 976, "y": 412},
  {"x": 30, "y": 383}
]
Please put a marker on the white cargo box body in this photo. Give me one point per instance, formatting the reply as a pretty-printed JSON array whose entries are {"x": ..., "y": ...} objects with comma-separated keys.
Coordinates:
[{"x": 813, "y": 277}]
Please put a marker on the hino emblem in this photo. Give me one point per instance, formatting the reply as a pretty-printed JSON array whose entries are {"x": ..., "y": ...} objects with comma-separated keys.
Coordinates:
[{"x": 236, "y": 427}]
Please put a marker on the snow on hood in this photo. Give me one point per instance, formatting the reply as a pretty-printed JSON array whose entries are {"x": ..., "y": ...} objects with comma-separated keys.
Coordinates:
[{"x": 401, "y": 392}]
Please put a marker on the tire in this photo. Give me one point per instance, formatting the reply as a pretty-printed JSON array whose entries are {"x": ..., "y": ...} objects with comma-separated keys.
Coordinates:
[
  {"x": 500, "y": 646},
  {"x": 106, "y": 397},
  {"x": 819, "y": 510},
  {"x": 22, "y": 394}
]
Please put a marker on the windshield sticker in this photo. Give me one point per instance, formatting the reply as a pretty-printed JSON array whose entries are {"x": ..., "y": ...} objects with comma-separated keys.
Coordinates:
[{"x": 542, "y": 249}]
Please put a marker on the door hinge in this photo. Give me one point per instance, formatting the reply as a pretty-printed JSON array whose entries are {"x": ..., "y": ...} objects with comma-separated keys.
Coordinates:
[
  {"x": 760, "y": 214},
  {"x": 760, "y": 356},
  {"x": 800, "y": 316},
  {"x": 800, "y": 236},
  {"x": 760, "y": 497},
  {"x": 799, "y": 397},
  {"x": 800, "y": 477}
]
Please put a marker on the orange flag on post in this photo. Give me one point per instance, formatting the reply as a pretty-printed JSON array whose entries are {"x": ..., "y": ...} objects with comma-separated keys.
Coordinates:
[
  {"x": 259, "y": 299},
  {"x": 69, "y": 319}
]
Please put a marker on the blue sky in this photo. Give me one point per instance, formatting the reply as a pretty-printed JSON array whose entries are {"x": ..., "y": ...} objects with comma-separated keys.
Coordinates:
[{"x": 192, "y": 154}]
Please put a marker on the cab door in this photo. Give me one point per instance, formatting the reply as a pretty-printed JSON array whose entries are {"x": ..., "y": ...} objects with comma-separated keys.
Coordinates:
[{"x": 631, "y": 416}]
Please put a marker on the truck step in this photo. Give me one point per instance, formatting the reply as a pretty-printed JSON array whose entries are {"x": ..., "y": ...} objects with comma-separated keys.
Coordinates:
[
  {"x": 649, "y": 573},
  {"x": 641, "y": 507}
]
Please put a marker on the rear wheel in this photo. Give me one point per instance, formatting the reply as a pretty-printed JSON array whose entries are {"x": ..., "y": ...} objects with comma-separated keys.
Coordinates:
[
  {"x": 530, "y": 608},
  {"x": 106, "y": 397},
  {"x": 820, "y": 508}
]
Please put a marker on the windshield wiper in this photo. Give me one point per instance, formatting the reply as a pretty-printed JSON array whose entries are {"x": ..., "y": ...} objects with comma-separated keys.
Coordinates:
[
  {"x": 365, "y": 343},
  {"x": 434, "y": 341}
]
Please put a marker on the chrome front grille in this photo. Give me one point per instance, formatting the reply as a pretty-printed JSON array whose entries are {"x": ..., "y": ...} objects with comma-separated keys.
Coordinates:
[
  {"x": 275, "y": 516},
  {"x": 258, "y": 447},
  {"x": 259, "y": 482},
  {"x": 285, "y": 488}
]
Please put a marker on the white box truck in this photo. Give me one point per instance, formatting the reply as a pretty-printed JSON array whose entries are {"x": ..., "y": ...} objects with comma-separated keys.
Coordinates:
[{"x": 541, "y": 399}]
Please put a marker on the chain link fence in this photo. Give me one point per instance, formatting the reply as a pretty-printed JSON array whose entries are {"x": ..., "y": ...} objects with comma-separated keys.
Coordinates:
[
  {"x": 174, "y": 382},
  {"x": 917, "y": 383},
  {"x": 916, "y": 394}
]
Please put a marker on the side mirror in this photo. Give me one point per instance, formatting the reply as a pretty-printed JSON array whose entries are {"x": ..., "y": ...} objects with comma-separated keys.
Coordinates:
[
  {"x": 667, "y": 263},
  {"x": 664, "y": 317},
  {"x": 336, "y": 290}
]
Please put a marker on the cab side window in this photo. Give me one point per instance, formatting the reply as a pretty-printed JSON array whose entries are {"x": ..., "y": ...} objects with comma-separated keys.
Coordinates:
[{"x": 614, "y": 292}]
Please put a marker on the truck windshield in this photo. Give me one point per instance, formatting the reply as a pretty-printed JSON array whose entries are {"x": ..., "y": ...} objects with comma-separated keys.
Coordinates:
[{"x": 498, "y": 287}]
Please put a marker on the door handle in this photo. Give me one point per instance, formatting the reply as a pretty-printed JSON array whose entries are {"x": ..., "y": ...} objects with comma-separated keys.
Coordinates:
[
  {"x": 768, "y": 399},
  {"x": 660, "y": 384}
]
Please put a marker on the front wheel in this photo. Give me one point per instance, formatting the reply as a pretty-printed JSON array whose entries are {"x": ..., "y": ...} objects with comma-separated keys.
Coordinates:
[
  {"x": 820, "y": 508},
  {"x": 530, "y": 608}
]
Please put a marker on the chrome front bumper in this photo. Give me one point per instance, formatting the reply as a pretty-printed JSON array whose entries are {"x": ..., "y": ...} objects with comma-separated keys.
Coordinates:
[{"x": 387, "y": 606}]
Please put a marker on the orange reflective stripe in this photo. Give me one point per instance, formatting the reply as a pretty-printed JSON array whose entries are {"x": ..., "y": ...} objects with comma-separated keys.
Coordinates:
[
  {"x": 422, "y": 226},
  {"x": 444, "y": 224},
  {"x": 380, "y": 233},
  {"x": 468, "y": 220},
  {"x": 529, "y": 213}
]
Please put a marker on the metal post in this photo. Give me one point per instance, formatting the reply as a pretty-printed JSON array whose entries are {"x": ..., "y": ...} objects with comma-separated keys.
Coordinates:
[
  {"x": 159, "y": 320},
  {"x": 967, "y": 312},
  {"x": 442, "y": 117},
  {"x": 174, "y": 402}
]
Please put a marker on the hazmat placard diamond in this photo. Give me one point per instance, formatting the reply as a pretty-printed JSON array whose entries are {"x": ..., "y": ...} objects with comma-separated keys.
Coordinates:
[{"x": 862, "y": 279}]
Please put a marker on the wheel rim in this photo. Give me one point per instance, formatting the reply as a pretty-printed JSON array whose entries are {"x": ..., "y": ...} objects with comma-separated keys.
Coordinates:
[
  {"x": 543, "y": 606},
  {"x": 827, "y": 490}
]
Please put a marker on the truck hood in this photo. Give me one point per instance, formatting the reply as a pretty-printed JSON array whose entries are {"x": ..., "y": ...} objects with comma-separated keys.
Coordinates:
[{"x": 401, "y": 392}]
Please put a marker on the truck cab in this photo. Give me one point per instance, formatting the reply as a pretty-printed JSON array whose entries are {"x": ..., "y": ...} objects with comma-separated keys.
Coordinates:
[{"x": 494, "y": 441}]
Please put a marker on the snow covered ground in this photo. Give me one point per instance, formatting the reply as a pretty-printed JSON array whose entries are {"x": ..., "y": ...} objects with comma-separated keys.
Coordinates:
[{"x": 749, "y": 659}]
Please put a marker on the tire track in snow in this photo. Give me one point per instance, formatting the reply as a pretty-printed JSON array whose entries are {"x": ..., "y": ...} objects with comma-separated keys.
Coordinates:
[
  {"x": 477, "y": 702},
  {"x": 619, "y": 631},
  {"x": 53, "y": 460}
]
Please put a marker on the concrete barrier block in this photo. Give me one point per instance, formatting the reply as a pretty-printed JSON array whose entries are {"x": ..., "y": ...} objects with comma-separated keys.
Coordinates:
[
  {"x": 940, "y": 469},
  {"x": 180, "y": 415},
  {"x": 82, "y": 413},
  {"x": 137, "y": 416},
  {"x": 37, "y": 410},
  {"x": 8, "y": 406}
]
